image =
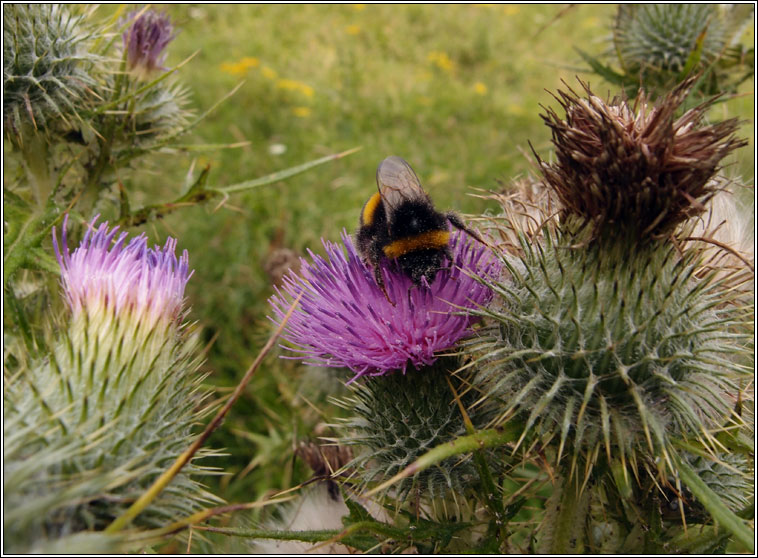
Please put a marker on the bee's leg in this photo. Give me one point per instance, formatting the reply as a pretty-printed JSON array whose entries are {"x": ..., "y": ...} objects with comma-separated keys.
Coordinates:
[
  {"x": 456, "y": 221},
  {"x": 450, "y": 261},
  {"x": 414, "y": 285},
  {"x": 449, "y": 255},
  {"x": 380, "y": 282}
]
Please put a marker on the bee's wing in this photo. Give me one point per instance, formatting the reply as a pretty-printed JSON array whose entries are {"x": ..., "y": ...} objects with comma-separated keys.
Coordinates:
[{"x": 397, "y": 183}]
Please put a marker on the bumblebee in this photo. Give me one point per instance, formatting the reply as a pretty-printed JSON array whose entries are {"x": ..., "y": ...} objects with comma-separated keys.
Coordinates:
[{"x": 400, "y": 223}]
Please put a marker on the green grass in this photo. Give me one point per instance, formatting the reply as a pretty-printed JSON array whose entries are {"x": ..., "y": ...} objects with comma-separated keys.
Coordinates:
[{"x": 456, "y": 90}]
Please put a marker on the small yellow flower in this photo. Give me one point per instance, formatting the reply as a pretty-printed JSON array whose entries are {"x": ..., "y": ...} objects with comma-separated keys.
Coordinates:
[
  {"x": 268, "y": 72},
  {"x": 480, "y": 88},
  {"x": 241, "y": 67},
  {"x": 441, "y": 60},
  {"x": 359, "y": 7},
  {"x": 511, "y": 10},
  {"x": 230, "y": 68},
  {"x": 234, "y": 68},
  {"x": 352, "y": 29},
  {"x": 301, "y": 112},
  {"x": 591, "y": 22},
  {"x": 250, "y": 62},
  {"x": 294, "y": 85}
]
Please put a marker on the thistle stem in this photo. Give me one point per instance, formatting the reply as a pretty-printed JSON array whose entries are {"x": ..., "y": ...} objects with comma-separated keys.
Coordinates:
[
  {"x": 35, "y": 153},
  {"x": 493, "y": 499},
  {"x": 569, "y": 521}
]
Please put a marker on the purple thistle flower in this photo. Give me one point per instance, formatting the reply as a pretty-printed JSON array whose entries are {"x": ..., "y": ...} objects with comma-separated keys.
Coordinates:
[
  {"x": 145, "y": 41},
  {"x": 124, "y": 279},
  {"x": 344, "y": 319}
]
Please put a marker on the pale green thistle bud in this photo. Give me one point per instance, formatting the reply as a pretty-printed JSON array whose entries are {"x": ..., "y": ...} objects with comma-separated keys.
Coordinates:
[
  {"x": 47, "y": 68},
  {"x": 658, "y": 44},
  {"x": 114, "y": 404}
]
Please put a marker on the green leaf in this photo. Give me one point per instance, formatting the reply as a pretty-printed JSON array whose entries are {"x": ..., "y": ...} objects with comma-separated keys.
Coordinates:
[
  {"x": 694, "y": 58},
  {"x": 24, "y": 234},
  {"x": 711, "y": 501},
  {"x": 199, "y": 192},
  {"x": 16, "y": 213},
  {"x": 19, "y": 318},
  {"x": 357, "y": 512},
  {"x": 705, "y": 539},
  {"x": 40, "y": 259},
  {"x": 281, "y": 175},
  {"x": 604, "y": 71}
]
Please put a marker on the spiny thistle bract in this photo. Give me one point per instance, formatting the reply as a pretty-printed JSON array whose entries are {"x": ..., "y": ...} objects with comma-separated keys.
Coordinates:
[
  {"x": 159, "y": 112},
  {"x": 728, "y": 474},
  {"x": 608, "y": 338},
  {"x": 47, "y": 69},
  {"x": 92, "y": 425},
  {"x": 657, "y": 44},
  {"x": 398, "y": 418}
]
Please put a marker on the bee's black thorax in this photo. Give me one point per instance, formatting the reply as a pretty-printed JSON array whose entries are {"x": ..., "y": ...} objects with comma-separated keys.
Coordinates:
[{"x": 415, "y": 217}]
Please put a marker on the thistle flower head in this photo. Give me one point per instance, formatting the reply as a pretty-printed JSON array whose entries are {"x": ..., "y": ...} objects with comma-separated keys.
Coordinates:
[
  {"x": 344, "y": 319},
  {"x": 635, "y": 168},
  {"x": 145, "y": 41},
  {"x": 103, "y": 276}
]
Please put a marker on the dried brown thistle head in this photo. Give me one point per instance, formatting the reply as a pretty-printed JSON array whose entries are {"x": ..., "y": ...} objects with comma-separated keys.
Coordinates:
[{"x": 638, "y": 169}]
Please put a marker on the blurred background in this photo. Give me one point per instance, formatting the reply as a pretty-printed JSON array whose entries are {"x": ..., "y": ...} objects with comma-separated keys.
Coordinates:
[{"x": 457, "y": 90}]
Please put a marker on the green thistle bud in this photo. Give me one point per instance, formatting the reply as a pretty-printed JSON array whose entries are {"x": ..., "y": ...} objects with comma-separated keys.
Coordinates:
[
  {"x": 728, "y": 474},
  {"x": 612, "y": 348},
  {"x": 658, "y": 43},
  {"x": 161, "y": 111},
  {"x": 47, "y": 70},
  {"x": 616, "y": 336},
  {"x": 398, "y": 418}
]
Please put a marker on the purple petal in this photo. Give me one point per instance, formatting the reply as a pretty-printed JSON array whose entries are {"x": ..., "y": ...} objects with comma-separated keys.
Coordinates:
[
  {"x": 146, "y": 39},
  {"x": 123, "y": 278}
]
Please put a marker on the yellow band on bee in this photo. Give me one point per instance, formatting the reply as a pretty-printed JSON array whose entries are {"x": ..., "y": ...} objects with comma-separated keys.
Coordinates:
[
  {"x": 430, "y": 240},
  {"x": 367, "y": 217}
]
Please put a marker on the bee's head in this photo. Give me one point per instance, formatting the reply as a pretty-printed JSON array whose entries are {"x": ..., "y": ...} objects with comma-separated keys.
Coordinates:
[{"x": 421, "y": 263}]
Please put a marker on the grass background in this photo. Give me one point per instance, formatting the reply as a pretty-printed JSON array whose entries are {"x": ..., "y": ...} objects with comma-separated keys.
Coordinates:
[{"x": 454, "y": 89}]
